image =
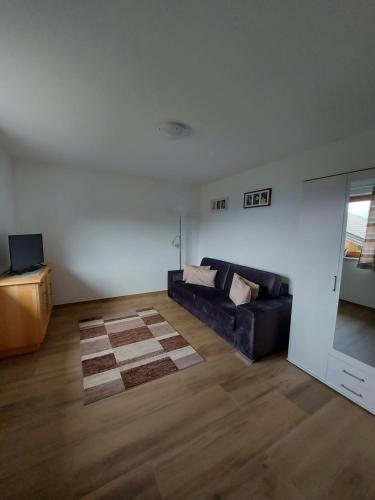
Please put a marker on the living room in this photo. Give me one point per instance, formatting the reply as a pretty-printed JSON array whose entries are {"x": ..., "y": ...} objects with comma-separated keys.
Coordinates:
[{"x": 139, "y": 141}]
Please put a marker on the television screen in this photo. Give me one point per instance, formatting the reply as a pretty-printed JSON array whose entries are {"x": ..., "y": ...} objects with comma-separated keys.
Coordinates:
[{"x": 26, "y": 252}]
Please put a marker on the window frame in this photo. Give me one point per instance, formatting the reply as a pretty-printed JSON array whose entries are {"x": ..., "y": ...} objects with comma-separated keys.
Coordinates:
[{"x": 353, "y": 199}]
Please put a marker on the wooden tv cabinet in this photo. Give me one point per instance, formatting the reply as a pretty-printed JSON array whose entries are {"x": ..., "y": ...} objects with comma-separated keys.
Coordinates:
[{"x": 25, "y": 310}]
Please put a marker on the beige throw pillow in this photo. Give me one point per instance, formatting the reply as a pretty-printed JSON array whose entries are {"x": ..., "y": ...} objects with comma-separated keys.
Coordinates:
[
  {"x": 204, "y": 277},
  {"x": 240, "y": 292},
  {"x": 253, "y": 286},
  {"x": 187, "y": 270}
]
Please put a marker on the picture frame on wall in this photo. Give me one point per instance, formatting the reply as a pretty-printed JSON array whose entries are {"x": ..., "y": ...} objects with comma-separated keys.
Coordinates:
[
  {"x": 219, "y": 205},
  {"x": 259, "y": 198}
]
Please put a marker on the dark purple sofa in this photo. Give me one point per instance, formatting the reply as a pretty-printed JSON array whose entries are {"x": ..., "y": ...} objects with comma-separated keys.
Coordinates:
[{"x": 255, "y": 329}]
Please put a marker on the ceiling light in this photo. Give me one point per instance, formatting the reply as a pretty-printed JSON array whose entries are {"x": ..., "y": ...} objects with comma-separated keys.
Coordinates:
[{"x": 174, "y": 130}]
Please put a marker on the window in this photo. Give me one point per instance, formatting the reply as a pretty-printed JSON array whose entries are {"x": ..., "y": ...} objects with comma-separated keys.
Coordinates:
[{"x": 357, "y": 224}]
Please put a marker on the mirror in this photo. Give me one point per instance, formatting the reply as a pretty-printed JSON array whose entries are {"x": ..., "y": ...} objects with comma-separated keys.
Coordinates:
[{"x": 355, "y": 324}]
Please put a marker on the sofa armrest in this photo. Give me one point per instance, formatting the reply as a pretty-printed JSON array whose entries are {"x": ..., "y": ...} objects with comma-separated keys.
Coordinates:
[
  {"x": 264, "y": 326},
  {"x": 172, "y": 277}
]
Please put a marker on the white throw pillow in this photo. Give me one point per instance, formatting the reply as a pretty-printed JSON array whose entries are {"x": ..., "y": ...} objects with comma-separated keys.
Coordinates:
[
  {"x": 204, "y": 277},
  {"x": 240, "y": 291},
  {"x": 187, "y": 270}
]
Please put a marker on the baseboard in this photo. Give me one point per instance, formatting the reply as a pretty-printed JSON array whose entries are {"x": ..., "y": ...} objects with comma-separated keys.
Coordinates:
[{"x": 110, "y": 299}]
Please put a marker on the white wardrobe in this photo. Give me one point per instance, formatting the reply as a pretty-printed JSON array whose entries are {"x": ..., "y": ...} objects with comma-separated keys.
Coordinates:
[{"x": 319, "y": 262}]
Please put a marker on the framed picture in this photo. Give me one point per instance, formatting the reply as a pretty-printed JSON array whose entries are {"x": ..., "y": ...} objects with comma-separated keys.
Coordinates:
[
  {"x": 260, "y": 198},
  {"x": 219, "y": 205}
]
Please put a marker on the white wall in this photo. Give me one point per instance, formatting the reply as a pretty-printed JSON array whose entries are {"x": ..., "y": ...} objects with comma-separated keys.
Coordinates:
[
  {"x": 6, "y": 208},
  {"x": 357, "y": 285},
  {"x": 265, "y": 238},
  {"x": 105, "y": 235}
]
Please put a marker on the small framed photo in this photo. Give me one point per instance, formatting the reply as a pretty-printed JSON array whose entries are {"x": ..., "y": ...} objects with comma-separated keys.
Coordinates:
[
  {"x": 219, "y": 205},
  {"x": 260, "y": 198}
]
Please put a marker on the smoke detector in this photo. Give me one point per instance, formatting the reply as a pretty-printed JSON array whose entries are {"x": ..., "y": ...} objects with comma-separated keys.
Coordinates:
[{"x": 174, "y": 130}]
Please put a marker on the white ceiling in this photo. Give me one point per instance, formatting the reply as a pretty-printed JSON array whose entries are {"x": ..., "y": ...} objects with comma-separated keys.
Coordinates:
[{"x": 86, "y": 82}]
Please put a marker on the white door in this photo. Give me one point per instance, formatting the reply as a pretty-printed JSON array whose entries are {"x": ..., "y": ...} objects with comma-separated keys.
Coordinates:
[{"x": 316, "y": 291}]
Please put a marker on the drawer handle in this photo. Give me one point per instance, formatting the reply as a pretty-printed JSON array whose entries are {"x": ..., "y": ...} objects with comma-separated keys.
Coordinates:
[
  {"x": 354, "y": 376},
  {"x": 351, "y": 390}
]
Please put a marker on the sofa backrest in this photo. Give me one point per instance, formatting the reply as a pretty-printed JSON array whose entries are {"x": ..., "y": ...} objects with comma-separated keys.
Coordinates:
[
  {"x": 270, "y": 283},
  {"x": 222, "y": 268}
]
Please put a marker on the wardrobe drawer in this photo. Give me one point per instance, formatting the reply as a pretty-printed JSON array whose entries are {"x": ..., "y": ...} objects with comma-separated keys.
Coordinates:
[{"x": 356, "y": 384}]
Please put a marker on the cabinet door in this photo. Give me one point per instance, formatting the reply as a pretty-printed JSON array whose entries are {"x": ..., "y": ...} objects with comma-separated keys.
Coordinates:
[
  {"x": 50, "y": 293},
  {"x": 43, "y": 305},
  {"x": 19, "y": 317},
  {"x": 315, "y": 291}
]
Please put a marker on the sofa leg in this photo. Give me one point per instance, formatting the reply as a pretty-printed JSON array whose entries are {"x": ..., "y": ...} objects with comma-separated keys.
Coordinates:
[{"x": 244, "y": 359}]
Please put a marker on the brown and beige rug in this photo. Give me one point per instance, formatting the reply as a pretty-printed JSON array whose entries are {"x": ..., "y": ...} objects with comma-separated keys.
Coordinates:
[{"x": 128, "y": 349}]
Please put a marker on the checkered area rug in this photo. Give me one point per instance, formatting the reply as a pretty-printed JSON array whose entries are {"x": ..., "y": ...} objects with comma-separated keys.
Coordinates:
[{"x": 124, "y": 350}]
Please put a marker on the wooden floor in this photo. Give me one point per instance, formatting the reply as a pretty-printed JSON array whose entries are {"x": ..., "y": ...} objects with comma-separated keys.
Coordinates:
[
  {"x": 219, "y": 430},
  {"x": 355, "y": 332}
]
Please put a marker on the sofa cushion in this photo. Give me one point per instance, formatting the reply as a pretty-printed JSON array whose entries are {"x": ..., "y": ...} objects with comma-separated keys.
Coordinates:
[
  {"x": 222, "y": 270},
  {"x": 189, "y": 290},
  {"x": 216, "y": 305},
  {"x": 270, "y": 283},
  {"x": 184, "y": 290}
]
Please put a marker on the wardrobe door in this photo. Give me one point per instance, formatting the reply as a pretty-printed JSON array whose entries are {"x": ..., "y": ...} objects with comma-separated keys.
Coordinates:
[{"x": 315, "y": 290}]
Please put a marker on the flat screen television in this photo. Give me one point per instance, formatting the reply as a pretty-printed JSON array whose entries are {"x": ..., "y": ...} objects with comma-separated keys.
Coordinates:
[{"x": 26, "y": 252}]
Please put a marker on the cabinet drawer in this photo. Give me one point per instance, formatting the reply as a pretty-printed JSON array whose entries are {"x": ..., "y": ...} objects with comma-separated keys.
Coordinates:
[
  {"x": 354, "y": 383},
  {"x": 351, "y": 373}
]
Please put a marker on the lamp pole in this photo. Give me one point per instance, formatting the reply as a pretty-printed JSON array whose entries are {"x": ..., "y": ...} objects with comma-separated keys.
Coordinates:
[
  {"x": 180, "y": 240},
  {"x": 177, "y": 240}
]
